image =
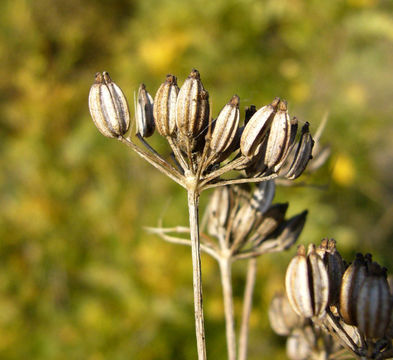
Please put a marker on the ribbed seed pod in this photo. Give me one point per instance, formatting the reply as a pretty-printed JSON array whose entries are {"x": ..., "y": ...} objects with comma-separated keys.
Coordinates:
[
  {"x": 289, "y": 146},
  {"x": 262, "y": 196},
  {"x": 108, "y": 107},
  {"x": 226, "y": 126},
  {"x": 302, "y": 155},
  {"x": 144, "y": 113},
  {"x": 256, "y": 128},
  {"x": 279, "y": 136},
  {"x": 282, "y": 318},
  {"x": 335, "y": 268},
  {"x": 165, "y": 106},
  {"x": 269, "y": 222},
  {"x": 219, "y": 208},
  {"x": 373, "y": 306},
  {"x": 352, "y": 281},
  {"x": 242, "y": 225},
  {"x": 192, "y": 107},
  {"x": 301, "y": 343},
  {"x": 307, "y": 283}
]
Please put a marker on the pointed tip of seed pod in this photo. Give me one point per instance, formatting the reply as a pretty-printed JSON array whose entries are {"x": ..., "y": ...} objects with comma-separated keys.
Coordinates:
[
  {"x": 282, "y": 105},
  {"x": 98, "y": 79},
  {"x": 195, "y": 74},
  {"x": 301, "y": 250},
  {"x": 171, "y": 79},
  {"x": 306, "y": 128},
  {"x": 275, "y": 102},
  {"x": 332, "y": 244},
  {"x": 142, "y": 87},
  {"x": 107, "y": 78},
  {"x": 324, "y": 243},
  {"x": 374, "y": 269},
  {"x": 311, "y": 249},
  {"x": 235, "y": 100},
  {"x": 294, "y": 121}
]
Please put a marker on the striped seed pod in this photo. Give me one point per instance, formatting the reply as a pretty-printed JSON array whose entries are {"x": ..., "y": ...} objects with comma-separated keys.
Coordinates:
[
  {"x": 302, "y": 155},
  {"x": 108, "y": 107},
  {"x": 256, "y": 128},
  {"x": 286, "y": 235},
  {"x": 269, "y": 222},
  {"x": 373, "y": 306},
  {"x": 242, "y": 225},
  {"x": 282, "y": 318},
  {"x": 219, "y": 208},
  {"x": 300, "y": 344},
  {"x": 307, "y": 283},
  {"x": 225, "y": 127},
  {"x": 335, "y": 268},
  {"x": 192, "y": 107},
  {"x": 279, "y": 136},
  {"x": 262, "y": 196},
  {"x": 144, "y": 113},
  {"x": 165, "y": 106},
  {"x": 292, "y": 137},
  {"x": 352, "y": 281}
]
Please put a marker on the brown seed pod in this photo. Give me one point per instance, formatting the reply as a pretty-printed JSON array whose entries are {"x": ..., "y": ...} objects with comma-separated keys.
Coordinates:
[
  {"x": 165, "y": 106},
  {"x": 256, "y": 128},
  {"x": 282, "y": 318},
  {"x": 352, "y": 281},
  {"x": 192, "y": 107},
  {"x": 373, "y": 306},
  {"x": 226, "y": 126},
  {"x": 300, "y": 344},
  {"x": 307, "y": 283},
  {"x": 144, "y": 113},
  {"x": 108, "y": 107}
]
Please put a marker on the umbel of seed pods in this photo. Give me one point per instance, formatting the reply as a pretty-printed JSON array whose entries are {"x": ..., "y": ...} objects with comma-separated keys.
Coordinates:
[
  {"x": 265, "y": 146},
  {"x": 353, "y": 301}
]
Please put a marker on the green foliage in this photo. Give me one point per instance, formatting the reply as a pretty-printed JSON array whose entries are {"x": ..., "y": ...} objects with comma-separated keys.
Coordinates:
[{"x": 79, "y": 278}]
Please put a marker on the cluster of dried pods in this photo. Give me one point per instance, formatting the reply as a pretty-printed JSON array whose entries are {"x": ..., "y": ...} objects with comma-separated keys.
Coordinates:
[
  {"x": 352, "y": 303},
  {"x": 266, "y": 146},
  {"x": 204, "y": 153}
]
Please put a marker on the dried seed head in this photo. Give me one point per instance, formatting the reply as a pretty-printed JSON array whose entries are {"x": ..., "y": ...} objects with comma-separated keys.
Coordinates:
[
  {"x": 165, "y": 106},
  {"x": 300, "y": 344},
  {"x": 373, "y": 306},
  {"x": 335, "y": 267},
  {"x": 282, "y": 317},
  {"x": 242, "y": 225},
  {"x": 302, "y": 155},
  {"x": 225, "y": 127},
  {"x": 279, "y": 136},
  {"x": 256, "y": 128},
  {"x": 219, "y": 208},
  {"x": 192, "y": 107},
  {"x": 144, "y": 113},
  {"x": 352, "y": 281},
  {"x": 307, "y": 283},
  {"x": 108, "y": 107}
]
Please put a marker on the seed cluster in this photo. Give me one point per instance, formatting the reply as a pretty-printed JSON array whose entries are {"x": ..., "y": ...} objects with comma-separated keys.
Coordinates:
[
  {"x": 353, "y": 302},
  {"x": 203, "y": 147}
]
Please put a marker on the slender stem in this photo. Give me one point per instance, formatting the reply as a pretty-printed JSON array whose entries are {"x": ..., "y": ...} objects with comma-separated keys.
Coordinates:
[
  {"x": 238, "y": 181},
  {"x": 193, "y": 200},
  {"x": 247, "y": 306},
  {"x": 226, "y": 281}
]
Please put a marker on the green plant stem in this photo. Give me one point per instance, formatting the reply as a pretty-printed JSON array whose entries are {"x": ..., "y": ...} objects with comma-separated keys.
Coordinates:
[
  {"x": 226, "y": 281},
  {"x": 247, "y": 306},
  {"x": 193, "y": 201}
]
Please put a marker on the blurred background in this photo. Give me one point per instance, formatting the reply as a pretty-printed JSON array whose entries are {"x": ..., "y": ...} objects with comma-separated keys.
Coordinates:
[{"x": 79, "y": 277}]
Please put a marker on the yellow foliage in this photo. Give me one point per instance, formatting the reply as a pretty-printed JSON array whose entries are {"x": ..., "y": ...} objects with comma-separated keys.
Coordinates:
[{"x": 344, "y": 170}]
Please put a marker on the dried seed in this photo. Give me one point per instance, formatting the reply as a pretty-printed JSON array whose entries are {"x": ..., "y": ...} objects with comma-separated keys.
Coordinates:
[
  {"x": 226, "y": 126},
  {"x": 256, "y": 128},
  {"x": 282, "y": 318},
  {"x": 307, "y": 283},
  {"x": 165, "y": 106},
  {"x": 192, "y": 107},
  {"x": 279, "y": 136},
  {"x": 219, "y": 208},
  {"x": 242, "y": 225},
  {"x": 263, "y": 195},
  {"x": 302, "y": 155},
  {"x": 144, "y": 113},
  {"x": 352, "y": 280},
  {"x": 373, "y": 306},
  {"x": 300, "y": 344},
  {"x": 108, "y": 107}
]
